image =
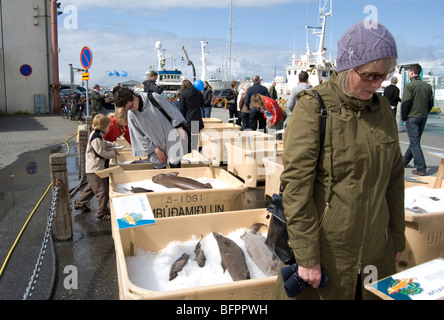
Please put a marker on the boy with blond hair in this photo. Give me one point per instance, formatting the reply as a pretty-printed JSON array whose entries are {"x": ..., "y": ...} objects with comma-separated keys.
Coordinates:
[{"x": 98, "y": 151}]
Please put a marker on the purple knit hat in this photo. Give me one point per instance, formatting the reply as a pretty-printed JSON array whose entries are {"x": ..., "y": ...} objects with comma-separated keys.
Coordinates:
[{"x": 361, "y": 44}]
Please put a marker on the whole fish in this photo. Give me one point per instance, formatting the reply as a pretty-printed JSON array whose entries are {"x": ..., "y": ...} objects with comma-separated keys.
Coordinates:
[
  {"x": 138, "y": 190},
  {"x": 178, "y": 265},
  {"x": 200, "y": 256},
  {"x": 259, "y": 252},
  {"x": 140, "y": 160},
  {"x": 171, "y": 180},
  {"x": 232, "y": 258}
]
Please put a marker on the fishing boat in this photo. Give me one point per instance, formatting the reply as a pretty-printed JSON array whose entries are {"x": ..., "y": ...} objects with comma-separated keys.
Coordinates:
[
  {"x": 170, "y": 78},
  {"x": 316, "y": 64},
  {"x": 215, "y": 80}
]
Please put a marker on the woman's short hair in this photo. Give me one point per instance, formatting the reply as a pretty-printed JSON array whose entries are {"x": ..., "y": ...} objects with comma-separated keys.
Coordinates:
[{"x": 387, "y": 64}]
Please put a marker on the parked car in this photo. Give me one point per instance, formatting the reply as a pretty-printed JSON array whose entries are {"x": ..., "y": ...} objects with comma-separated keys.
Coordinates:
[
  {"x": 219, "y": 96},
  {"x": 108, "y": 103}
]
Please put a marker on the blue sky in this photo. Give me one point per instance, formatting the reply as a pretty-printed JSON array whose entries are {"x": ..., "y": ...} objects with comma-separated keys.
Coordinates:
[{"x": 121, "y": 34}]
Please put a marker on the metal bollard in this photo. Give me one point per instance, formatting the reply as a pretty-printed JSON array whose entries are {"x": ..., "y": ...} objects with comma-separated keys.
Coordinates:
[{"x": 59, "y": 176}]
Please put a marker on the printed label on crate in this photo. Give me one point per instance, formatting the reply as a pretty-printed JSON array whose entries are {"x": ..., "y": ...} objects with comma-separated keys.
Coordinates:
[
  {"x": 423, "y": 282},
  {"x": 133, "y": 211}
]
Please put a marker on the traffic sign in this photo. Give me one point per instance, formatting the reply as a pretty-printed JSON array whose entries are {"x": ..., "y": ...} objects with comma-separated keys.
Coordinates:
[
  {"x": 25, "y": 70},
  {"x": 85, "y": 76},
  {"x": 86, "y": 57}
]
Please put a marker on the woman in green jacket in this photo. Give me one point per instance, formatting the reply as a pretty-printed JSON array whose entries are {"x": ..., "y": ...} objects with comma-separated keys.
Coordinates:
[{"x": 345, "y": 204}]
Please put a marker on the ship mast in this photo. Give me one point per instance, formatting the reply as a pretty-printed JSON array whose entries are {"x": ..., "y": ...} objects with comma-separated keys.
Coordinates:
[
  {"x": 323, "y": 16},
  {"x": 229, "y": 77},
  {"x": 203, "y": 44}
]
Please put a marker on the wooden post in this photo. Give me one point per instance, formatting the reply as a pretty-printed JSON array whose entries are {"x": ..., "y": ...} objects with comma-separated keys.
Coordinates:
[
  {"x": 88, "y": 124},
  {"x": 81, "y": 150},
  {"x": 59, "y": 176}
]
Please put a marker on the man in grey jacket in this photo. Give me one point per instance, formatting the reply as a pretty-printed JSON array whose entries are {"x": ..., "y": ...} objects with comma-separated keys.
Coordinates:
[
  {"x": 303, "y": 85},
  {"x": 155, "y": 127}
]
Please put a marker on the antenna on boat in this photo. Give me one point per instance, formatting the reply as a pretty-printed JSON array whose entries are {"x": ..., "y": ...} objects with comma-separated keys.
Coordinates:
[{"x": 229, "y": 76}]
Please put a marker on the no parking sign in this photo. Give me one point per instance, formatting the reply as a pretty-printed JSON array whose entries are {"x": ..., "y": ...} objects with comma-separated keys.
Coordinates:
[
  {"x": 25, "y": 70},
  {"x": 86, "y": 57}
]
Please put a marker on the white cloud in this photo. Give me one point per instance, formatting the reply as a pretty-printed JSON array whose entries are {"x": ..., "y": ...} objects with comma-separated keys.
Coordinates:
[{"x": 167, "y": 4}]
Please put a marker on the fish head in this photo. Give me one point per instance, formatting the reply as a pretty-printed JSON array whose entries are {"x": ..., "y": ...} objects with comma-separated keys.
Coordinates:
[{"x": 158, "y": 178}]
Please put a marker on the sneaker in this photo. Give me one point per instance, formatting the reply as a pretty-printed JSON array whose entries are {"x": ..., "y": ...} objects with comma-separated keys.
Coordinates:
[
  {"x": 418, "y": 173},
  {"x": 83, "y": 209},
  {"x": 105, "y": 217}
]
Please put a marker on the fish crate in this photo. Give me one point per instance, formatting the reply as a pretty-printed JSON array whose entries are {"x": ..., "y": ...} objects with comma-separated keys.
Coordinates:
[
  {"x": 218, "y": 127},
  {"x": 245, "y": 159},
  {"x": 124, "y": 159},
  {"x": 273, "y": 169},
  {"x": 424, "y": 233},
  {"x": 213, "y": 143},
  {"x": 122, "y": 141},
  {"x": 211, "y": 120},
  {"x": 171, "y": 203},
  {"x": 157, "y": 236}
]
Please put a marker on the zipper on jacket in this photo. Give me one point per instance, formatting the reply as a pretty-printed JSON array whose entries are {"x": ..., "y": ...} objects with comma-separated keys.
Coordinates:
[{"x": 327, "y": 205}]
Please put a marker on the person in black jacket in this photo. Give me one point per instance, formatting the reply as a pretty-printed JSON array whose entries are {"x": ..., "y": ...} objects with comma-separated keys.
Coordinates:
[
  {"x": 150, "y": 84},
  {"x": 232, "y": 102},
  {"x": 191, "y": 102},
  {"x": 208, "y": 99},
  {"x": 256, "y": 115},
  {"x": 391, "y": 92}
]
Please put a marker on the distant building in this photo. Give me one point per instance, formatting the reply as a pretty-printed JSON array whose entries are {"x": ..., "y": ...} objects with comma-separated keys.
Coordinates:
[{"x": 25, "y": 57}]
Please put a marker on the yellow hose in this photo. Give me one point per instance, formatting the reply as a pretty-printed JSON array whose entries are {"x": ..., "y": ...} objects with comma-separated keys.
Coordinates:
[{"x": 29, "y": 218}]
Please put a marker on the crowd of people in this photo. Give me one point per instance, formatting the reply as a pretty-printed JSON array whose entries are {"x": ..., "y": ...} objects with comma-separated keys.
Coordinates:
[{"x": 343, "y": 193}]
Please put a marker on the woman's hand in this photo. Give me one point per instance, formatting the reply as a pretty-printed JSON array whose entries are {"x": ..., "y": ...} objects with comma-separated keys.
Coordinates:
[{"x": 311, "y": 275}]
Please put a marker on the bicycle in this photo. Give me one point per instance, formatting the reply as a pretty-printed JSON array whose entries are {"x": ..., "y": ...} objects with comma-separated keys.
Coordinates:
[
  {"x": 65, "y": 111},
  {"x": 77, "y": 107}
]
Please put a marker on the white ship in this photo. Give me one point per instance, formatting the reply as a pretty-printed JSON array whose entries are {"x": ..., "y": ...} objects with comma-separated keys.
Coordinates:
[
  {"x": 316, "y": 64},
  {"x": 215, "y": 80},
  {"x": 170, "y": 78}
]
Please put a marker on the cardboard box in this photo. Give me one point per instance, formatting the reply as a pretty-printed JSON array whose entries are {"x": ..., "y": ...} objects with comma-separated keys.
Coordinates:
[
  {"x": 211, "y": 120},
  {"x": 273, "y": 169},
  {"x": 213, "y": 142},
  {"x": 245, "y": 159},
  {"x": 424, "y": 233},
  {"x": 218, "y": 127},
  {"x": 157, "y": 236},
  {"x": 183, "y": 202},
  {"x": 192, "y": 159},
  {"x": 122, "y": 141}
]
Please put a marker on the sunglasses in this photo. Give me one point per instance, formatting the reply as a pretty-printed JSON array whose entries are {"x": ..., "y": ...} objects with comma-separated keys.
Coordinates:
[{"x": 370, "y": 77}]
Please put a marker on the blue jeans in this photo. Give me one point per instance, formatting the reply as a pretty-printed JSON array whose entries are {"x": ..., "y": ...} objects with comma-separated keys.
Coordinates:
[
  {"x": 206, "y": 112},
  {"x": 415, "y": 127},
  {"x": 245, "y": 121}
]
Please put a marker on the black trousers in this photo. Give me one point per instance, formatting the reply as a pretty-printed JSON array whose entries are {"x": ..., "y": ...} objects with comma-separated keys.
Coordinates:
[{"x": 256, "y": 115}]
